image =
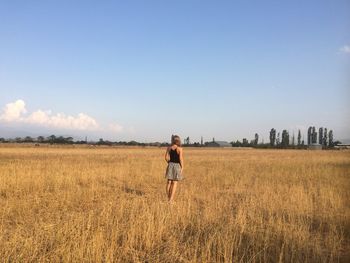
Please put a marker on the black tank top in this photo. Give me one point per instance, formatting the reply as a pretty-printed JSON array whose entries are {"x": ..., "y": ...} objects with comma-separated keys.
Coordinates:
[{"x": 174, "y": 156}]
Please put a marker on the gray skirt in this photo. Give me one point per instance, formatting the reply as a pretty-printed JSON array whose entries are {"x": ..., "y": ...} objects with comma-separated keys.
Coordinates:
[{"x": 173, "y": 172}]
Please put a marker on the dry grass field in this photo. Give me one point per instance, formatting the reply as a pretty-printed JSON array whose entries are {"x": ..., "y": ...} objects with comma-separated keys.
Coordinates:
[{"x": 71, "y": 204}]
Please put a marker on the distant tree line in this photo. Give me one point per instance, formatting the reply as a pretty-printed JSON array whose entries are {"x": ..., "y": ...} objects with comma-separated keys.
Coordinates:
[
  {"x": 40, "y": 139},
  {"x": 53, "y": 139},
  {"x": 283, "y": 140},
  {"x": 325, "y": 139},
  {"x": 276, "y": 140}
]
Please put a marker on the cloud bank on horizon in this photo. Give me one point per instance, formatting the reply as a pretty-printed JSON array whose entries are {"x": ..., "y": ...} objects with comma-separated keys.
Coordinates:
[{"x": 16, "y": 112}]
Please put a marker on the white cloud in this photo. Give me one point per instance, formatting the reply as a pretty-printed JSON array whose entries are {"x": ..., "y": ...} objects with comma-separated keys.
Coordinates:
[
  {"x": 39, "y": 117},
  {"x": 62, "y": 121},
  {"x": 345, "y": 49},
  {"x": 16, "y": 112},
  {"x": 13, "y": 111}
]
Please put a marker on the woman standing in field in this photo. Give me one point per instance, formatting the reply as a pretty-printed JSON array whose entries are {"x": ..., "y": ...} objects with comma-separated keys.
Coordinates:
[{"x": 174, "y": 158}]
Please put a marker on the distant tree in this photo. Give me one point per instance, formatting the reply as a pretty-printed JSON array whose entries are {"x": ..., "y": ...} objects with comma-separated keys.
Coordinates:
[
  {"x": 325, "y": 138},
  {"x": 314, "y": 135},
  {"x": 278, "y": 140},
  {"x": 18, "y": 139},
  {"x": 309, "y": 135},
  {"x": 133, "y": 143},
  {"x": 164, "y": 144},
  {"x": 69, "y": 140},
  {"x": 285, "y": 139},
  {"x": 293, "y": 140},
  {"x": 299, "y": 138},
  {"x": 28, "y": 139},
  {"x": 320, "y": 135},
  {"x": 2, "y": 140},
  {"x": 272, "y": 137},
  {"x": 40, "y": 139},
  {"x": 256, "y": 139},
  {"x": 330, "y": 139},
  {"x": 245, "y": 142},
  {"x": 51, "y": 139},
  {"x": 236, "y": 144},
  {"x": 60, "y": 139}
]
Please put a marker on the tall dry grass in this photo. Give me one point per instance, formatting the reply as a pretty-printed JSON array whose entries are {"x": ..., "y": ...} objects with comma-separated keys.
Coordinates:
[{"x": 109, "y": 205}]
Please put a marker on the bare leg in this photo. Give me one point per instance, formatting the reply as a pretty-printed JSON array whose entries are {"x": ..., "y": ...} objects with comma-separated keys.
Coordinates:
[
  {"x": 168, "y": 188},
  {"x": 172, "y": 190}
]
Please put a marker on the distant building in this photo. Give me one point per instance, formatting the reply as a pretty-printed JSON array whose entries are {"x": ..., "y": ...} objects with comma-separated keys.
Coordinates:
[
  {"x": 218, "y": 144},
  {"x": 315, "y": 146}
]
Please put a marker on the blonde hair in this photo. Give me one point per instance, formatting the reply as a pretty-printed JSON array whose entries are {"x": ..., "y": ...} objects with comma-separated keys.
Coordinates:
[{"x": 175, "y": 139}]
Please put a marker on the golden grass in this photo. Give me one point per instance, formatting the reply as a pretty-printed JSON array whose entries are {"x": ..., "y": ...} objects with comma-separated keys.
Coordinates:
[{"x": 63, "y": 204}]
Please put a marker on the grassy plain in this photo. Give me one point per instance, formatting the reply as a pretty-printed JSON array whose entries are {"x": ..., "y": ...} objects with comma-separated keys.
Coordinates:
[{"x": 70, "y": 204}]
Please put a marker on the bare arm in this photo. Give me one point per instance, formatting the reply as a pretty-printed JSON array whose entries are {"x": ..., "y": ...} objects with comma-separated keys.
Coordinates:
[
  {"x": 181, "y": 159},
  {"x": 167, "y": 157}
]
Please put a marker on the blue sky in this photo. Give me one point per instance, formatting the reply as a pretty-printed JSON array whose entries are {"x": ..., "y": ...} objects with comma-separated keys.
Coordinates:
[{"x": 146, "y": 69}]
